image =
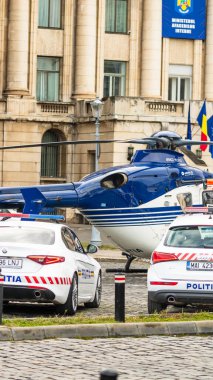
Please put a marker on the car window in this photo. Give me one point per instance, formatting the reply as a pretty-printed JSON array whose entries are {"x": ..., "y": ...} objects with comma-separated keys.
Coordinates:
[
  {"x": 71, "y": 240},
  {"x": 78, "y": 244},
  {"x": 68, "y": 239},
  {"x": 207, "y": 235},
  {"x": 185, "y": 237},
  {"x": 26, "y": 235}
]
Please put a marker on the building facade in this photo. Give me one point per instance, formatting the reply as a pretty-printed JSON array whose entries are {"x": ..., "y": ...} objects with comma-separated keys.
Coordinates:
[{"x": 56, "y": 56}]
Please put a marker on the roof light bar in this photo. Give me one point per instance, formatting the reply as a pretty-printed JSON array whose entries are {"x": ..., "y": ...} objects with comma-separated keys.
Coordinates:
[
  {"x": 31, "y": 216},
  {"x": 197, "y": 210},
  {"x": 209, "y": 181}
]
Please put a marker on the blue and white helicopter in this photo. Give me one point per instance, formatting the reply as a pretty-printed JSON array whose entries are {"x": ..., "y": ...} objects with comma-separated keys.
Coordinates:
[{"x": 132, "y": 204}]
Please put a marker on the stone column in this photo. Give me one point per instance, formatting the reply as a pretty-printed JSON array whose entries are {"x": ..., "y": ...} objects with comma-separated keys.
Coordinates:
[
  {"x": 151, "y": 49},
  {"x": 3, "y": 24},
  {"x": 85, "y": 50},
  {"x": 68, "y": 50},
  {"x": 100, "y": 48},
  {"x": 32, "y": 74},
  {"x": 165, "y": 68},
  {"x": 197, "y": 70},
  {"x": 18, "y": 47},
  {"x": 208, "y": 90},
  {"x": 134, "y": 47}
]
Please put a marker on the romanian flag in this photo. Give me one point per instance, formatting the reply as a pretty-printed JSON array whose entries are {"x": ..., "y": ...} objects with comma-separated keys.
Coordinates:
[{"x": 202, "y": 121}]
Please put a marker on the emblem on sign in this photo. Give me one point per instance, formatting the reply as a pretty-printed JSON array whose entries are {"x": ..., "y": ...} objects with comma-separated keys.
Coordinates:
[
  {"x": 184, "y": 6},
  {"x": 4, "y": 250}
]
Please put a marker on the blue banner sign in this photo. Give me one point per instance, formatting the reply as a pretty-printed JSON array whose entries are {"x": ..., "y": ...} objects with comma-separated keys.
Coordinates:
[{"x": 184, "y": 19}]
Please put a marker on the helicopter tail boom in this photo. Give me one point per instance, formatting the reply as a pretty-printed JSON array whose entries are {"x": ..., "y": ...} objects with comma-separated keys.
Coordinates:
[{"x": 34, "y": 199}]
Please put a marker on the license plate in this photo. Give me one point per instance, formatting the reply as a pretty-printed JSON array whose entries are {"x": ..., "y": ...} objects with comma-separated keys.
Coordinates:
[
  {"x": 199, "y": 265},
  {"x": 10, "y": 262}
]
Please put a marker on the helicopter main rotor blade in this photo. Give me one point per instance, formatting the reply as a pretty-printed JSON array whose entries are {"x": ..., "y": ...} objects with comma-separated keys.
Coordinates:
[
  {"x": 158, "y": 142},
  {"x": 149, "y": 141},
  {"x": 192, "y": 142},
  {"x": 192, "y": 156}
]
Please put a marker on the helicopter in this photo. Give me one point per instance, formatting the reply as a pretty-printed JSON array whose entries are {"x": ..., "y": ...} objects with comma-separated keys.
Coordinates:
[{"x": 132, "y": 204}]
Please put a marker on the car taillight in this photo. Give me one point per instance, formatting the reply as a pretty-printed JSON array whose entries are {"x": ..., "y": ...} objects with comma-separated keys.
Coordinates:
[
  {"x": 44, "y": 260},
  {"x": 158, "y": 257}
]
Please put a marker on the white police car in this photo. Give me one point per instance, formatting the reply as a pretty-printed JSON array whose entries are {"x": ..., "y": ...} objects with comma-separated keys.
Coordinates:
[
  {"x": 45, "y": 262},
  {"x": 181, "y": 270}
]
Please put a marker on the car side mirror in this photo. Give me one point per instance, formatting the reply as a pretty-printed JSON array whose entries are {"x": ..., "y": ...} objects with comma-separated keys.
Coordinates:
[{"x": 91, "y": 248}]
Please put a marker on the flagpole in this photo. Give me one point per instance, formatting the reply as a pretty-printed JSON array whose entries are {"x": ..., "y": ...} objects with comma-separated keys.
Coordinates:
[{"x": 189, "y": 130}]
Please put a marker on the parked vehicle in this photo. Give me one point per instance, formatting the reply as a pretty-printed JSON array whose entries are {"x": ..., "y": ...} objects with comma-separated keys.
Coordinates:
[
  {"x": 46, "y": 262},
  {"x": 181, "y": 270}
]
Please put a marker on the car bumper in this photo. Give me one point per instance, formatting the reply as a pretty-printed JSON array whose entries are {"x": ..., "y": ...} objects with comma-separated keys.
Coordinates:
[
  {"x": 181, "y": 297},
  {"x": 26, "y": 294}
]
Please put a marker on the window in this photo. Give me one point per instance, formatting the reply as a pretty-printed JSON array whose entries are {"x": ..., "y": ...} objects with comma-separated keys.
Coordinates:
[
  {"x": 114, "y": 181},
  {"x": 114, "y": 78},
  {"x": 91, "y": 161},
  {"x": 207, "y": 197},
  {"x": 49, "y": 14},
  {"x": 27, "y": 235},
  {"x": 68, "y": 239},
  {"x": 50, "y": 156},
  {"x": 186, "y": 236},
  {"x": 180, "y": 78},
  {"x": 116, "y": 16},
  {"x": 190, "y": 236},
  {"x": 48, "y": 79},
  {"x": 71, "y": 241}
]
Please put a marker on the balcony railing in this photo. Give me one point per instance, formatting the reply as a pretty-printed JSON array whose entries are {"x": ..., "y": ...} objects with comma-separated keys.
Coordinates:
[
  {"x": 162, "y": 106},
  {"x": 54, "y": 107}
]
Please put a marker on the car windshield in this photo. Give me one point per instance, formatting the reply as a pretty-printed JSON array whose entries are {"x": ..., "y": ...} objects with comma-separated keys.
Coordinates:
[
  {"x": 26, "y": 235},
  {"x": 190, "y": 236}
]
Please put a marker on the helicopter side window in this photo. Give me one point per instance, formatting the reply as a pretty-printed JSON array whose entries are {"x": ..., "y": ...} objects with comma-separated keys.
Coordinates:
[
  {"x": 185, "y": 200},
  {"x": 207, "y": 197},
  {"x": 114, "y": 181}
]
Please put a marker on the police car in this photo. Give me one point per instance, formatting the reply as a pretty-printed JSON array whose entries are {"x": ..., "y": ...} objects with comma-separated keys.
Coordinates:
[
  {"x": 181, "y": 270},
  {"x": 46, "y": 262}
]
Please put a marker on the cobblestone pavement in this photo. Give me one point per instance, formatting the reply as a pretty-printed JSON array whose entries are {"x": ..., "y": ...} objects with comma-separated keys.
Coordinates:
[
  {"x": 157, "y": 358},
  {"x": 135, "y": 297}
]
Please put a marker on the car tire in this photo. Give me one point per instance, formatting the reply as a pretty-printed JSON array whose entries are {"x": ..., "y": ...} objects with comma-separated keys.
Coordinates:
[
  {"x": 71, "y": 305},
  {"x": 155, "y": 307},
  {"x": 98, "y": 291}
]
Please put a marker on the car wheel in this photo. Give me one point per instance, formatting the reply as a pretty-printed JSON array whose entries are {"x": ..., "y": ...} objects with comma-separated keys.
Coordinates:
[
  {"x": 71, "y": 305},
  {"x": 98, "y": 291},
  {"x": 155, "y": 307}
]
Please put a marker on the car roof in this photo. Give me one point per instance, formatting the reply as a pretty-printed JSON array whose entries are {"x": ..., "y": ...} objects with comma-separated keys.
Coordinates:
[
  {"x": 30, "y": 223},
  {"x": 192, "y": 219}
]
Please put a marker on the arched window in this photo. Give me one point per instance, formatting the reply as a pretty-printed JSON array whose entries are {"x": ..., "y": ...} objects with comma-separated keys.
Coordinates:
[{"x": 50, "y": 156}]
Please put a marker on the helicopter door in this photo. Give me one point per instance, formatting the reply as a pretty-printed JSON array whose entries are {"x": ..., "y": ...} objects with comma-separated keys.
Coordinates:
[{"x": 150, "y": 184}]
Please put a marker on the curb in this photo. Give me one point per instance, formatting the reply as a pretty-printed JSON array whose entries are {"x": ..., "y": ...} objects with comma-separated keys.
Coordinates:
[{"x": 113, "y": 330}]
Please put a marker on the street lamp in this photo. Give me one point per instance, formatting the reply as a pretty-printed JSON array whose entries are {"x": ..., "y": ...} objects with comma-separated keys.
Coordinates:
[{"x": 96, "y": 106}]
